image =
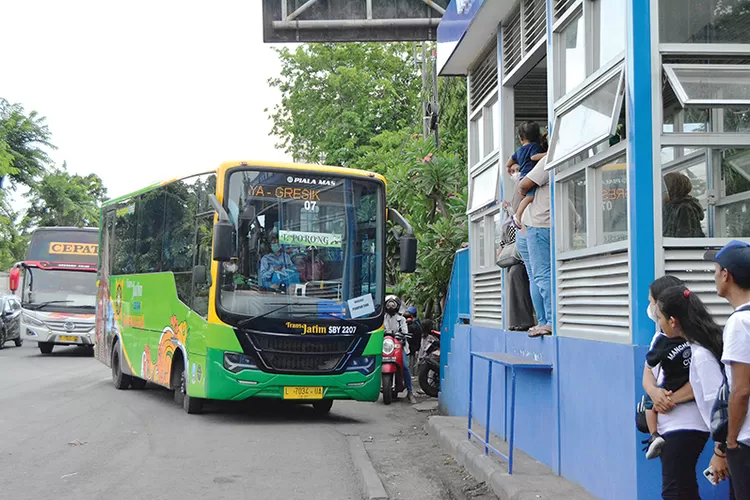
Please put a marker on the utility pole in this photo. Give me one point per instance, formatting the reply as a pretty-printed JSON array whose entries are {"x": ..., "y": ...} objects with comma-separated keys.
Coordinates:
[
  {"x": 425, "y": 119},
  {"x": 435, "y": 106}
]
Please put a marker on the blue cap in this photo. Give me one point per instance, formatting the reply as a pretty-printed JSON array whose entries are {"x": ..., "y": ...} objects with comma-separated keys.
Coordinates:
[
  {"x": 412, "y": 310},
  {"x": 734, "y": 257}
]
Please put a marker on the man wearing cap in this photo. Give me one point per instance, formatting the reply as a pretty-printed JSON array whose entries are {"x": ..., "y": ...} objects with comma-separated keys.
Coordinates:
[{"x": 732, "y": 277}]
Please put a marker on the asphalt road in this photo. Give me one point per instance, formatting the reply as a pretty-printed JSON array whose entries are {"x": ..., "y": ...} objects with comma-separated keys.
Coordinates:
[{"x": 66, "y": 433}]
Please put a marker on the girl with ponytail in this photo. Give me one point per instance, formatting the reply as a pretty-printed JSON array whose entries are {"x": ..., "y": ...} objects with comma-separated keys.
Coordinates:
[{"x": 682, "y": 313}]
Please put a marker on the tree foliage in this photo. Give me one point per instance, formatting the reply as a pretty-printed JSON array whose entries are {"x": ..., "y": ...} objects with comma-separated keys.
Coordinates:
[
  {"x": 359, "y": 105},
  {"x": 62, "y": 199},
  {"x": 23, "y": 138}
]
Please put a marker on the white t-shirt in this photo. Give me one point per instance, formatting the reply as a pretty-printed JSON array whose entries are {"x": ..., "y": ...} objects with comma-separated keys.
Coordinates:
[
  {"x": 705, "y": 379},
  {"x": 683, "y": 417},
  {"x": 737, "y": 350},
  {"x": 537, "y": 214}
]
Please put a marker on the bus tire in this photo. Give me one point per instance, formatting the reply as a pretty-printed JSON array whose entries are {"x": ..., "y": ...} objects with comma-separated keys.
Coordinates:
[
  {"x": 46, "y": 347},
  {"x": 2, "y": 338},
  {"x": 137, "y": 383},
  {"x": 190, "y": 404},
  {"x": 323, "y": 407},
  {"x": 119, "y": 379}
]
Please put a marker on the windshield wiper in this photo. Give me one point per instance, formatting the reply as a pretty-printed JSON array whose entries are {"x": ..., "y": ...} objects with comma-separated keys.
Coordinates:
[
  {"x": 263, "y": 315},
  {"x": 36, "y": 307}
]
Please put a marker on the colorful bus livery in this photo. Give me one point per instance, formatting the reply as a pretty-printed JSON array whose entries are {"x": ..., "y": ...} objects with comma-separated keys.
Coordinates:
[{"x": 242, "y": 282}]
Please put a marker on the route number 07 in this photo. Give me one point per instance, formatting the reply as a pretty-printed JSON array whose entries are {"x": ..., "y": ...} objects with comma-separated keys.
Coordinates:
[{"x": 310, "y": 205}]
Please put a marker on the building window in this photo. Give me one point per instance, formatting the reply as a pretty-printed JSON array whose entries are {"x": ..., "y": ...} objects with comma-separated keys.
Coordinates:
[
  {"x": 706, "y": 192},
  {"x": 704, "y": 21},
  {"x": 484, "y": 188},
  {"x": 612, "y": 201},
  {"x": 572, "y": 212},
  {"x": 610, "y": 36},
  {"x": 482, "y": 132},
  {"x": 710, "y": 85},
  {"x": 573, "y": 61},
  {"x": 589, "y": 122}
]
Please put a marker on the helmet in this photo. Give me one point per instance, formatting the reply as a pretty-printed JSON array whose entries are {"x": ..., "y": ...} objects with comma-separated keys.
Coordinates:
[
  {"x": 392, "y": 304},
  {"x": 412, "y": 311}
]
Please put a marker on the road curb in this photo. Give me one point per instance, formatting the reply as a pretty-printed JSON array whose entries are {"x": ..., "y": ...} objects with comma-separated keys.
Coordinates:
[{"x": 371, "y": 483}]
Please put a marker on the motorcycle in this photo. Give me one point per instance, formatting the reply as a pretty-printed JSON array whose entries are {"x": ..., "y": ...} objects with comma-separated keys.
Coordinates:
[
  {"x": 392, "y": 376},
  {"x": 429, "y": 364}
]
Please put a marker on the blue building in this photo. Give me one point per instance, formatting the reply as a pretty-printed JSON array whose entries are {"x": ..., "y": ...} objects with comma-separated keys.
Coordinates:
[{"x": 631, "y": 90}]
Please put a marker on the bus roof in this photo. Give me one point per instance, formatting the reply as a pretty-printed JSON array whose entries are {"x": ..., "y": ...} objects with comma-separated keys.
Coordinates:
[
  {"x": 65, "y": 228},
  {"x": 252, "y": 163}
]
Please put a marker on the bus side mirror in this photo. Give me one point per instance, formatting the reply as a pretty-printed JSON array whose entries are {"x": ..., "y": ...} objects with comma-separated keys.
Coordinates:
[
  {"x": 408, "y": 254},
  {"x": 223, "y": 241}
]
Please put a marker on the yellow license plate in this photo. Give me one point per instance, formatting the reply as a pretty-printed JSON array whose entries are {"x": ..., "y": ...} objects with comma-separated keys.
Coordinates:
[
  {"x": 303, "y": 393},
  {"x": 67, "y": 338}
]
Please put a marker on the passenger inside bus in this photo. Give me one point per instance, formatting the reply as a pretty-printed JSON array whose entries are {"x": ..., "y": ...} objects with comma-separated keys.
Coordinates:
[{"x": 277, "y": 270}]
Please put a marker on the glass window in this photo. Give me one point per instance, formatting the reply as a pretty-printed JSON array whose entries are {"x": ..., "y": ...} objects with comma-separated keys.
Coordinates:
[
  {"x": 611, "y": 27},
  {"x": 204, "y": 246},
  {"x": 481, "y": 249},
  {"x": 704, "y": 21},
  {"x": 612, "y": 204},
  {"x": 709, "y": 84},
  {"x": 123, "y": 247},
  {"x": 484, "y": 188},
  {"x": 685, "y": 195},
  {"x": 313, "y": 271},
  {"x": 150, "y": 213},
  {"x": 491, "y": 118},
  {"x": 497, "y": 226},
  {"x": 735, "y": 120},
  {"x": 573, "y": 212},
  {"x": 589, "y": 122},
  {"x": 477, "y": 140},
  {"x": 573, "y": 67},
  {"x": 735, "y": 171}
]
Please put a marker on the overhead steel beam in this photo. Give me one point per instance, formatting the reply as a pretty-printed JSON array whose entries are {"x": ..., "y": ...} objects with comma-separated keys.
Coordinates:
[
  {"x": 355, "y": 23},
  {"x": 435, "y": 6},
  {"x": 302, "y": 9}
]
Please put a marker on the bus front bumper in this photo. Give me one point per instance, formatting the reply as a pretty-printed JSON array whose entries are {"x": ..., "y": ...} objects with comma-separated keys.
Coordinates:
[
  {"x": 35, "y": 333},
  {"x": 225, "y": 385}
]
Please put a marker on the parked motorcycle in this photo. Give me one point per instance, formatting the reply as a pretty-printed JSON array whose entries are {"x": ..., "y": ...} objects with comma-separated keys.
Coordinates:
[
  {"x": 429, "y": 364},
  {"x": 392, "y": 377}
]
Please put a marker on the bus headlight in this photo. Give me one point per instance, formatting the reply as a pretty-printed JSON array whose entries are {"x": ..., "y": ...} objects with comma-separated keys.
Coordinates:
[
  {"x": 236, "y": 362},
  {"x": 31, "y": 320},
  {"x": 388, "y": 346},
  {"x": 365, "y": 365}
]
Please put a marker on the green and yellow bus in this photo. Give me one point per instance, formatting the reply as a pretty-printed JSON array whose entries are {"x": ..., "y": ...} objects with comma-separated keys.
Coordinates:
[{"x": 252, "y": 280}]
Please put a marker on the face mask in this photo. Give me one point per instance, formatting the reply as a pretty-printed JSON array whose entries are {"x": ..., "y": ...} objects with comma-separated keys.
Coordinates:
[
  {"x": 651, "y": 311},
  {"x": 515, "y": 176},
  {"x": 275, "y": 248}
]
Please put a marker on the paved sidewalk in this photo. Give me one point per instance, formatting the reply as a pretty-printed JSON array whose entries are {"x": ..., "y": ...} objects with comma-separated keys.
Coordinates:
[{"x": 531, "y": 480}]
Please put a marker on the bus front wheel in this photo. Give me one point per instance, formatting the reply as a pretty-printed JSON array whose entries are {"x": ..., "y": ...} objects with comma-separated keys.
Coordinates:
[
  {"x": 190, "y": 404},
  {"x": 119, "y": 379}
]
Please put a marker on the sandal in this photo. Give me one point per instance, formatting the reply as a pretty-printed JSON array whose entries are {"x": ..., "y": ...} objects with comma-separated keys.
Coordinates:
[{"x": 540, "y": 331}]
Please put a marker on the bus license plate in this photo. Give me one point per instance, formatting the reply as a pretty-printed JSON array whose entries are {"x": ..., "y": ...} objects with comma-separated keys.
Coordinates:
[
  {"x": 303, "y": 393},
  {"x": 67, "y": 338}
]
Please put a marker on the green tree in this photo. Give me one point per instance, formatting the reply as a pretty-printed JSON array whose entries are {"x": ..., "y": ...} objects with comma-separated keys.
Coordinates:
[
  {"x": 13, "y": 239},
  {"x": 23, "y": 138},
  {"x": 64, "y": 199}
]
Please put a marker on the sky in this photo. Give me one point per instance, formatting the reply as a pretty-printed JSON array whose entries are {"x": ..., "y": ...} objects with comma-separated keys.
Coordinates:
[{"x": 143, "y": 91}]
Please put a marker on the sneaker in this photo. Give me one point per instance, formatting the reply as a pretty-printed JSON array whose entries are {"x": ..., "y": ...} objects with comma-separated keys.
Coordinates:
[
  {"x": 654, "y": 444},
  {"x": 411, "y": 398}
]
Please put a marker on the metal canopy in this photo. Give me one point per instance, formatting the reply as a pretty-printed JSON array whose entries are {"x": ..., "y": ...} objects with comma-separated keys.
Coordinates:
[{"x": 289, "y": 21}]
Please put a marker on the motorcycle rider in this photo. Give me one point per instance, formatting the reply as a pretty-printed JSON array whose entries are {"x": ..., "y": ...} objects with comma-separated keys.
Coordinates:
[{"x": 395, "y": 323}]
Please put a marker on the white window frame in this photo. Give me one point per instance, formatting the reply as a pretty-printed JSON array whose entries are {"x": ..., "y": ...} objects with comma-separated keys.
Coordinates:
[
  {"x": 484, "y": 107},
  {"x": 616, "y": 72},
  {"x": 590, "y": 166},
  {"x": 716, "y": 71},
  {"x": 489, "y": 242}
]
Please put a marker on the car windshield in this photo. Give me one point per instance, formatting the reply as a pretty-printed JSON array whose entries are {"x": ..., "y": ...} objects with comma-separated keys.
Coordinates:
[
  {"x": 59, "y": 289},
  {"x": 305, "y": 245}
]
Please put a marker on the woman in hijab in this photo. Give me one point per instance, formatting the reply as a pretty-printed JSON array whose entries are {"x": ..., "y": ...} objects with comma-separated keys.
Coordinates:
[{"x": 683, "y": 213}]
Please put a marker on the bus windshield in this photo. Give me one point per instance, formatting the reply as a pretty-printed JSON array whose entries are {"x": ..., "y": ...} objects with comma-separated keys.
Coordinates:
[
  {"x": 305, "y": 245},
  {"x": 51, "y": 289}
]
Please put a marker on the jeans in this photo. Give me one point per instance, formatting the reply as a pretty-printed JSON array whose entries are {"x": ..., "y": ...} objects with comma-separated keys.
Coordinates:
[
  {"x": 536, "y": 297},
  {"x": 407, "y": 372},
  {"x": 538, "y": 241},
  {"x": 739, "y": 470},
  {"x": 679, "y": 457}
]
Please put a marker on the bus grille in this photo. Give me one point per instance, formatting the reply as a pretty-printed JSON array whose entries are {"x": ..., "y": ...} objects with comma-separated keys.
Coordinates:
[
  {"x": 287, "y": 353},
  {"x": 72, "y": 326}
]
